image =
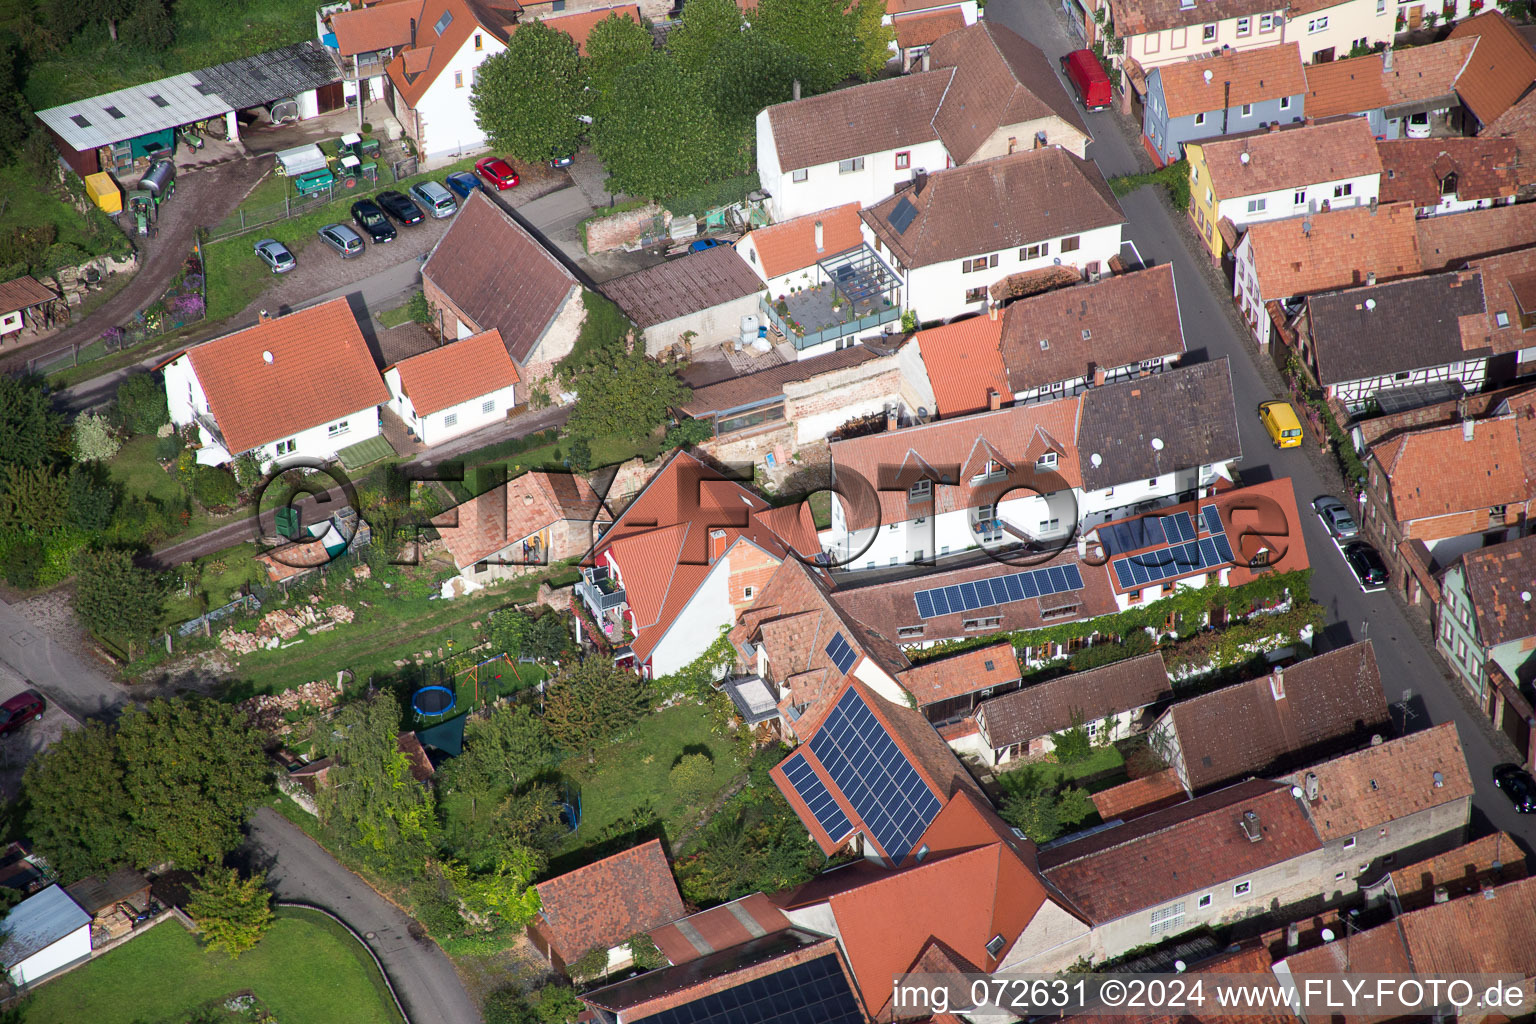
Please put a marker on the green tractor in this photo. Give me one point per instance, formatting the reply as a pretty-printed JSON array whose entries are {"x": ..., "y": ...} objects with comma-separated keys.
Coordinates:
[{"x": 141, "y": 204}]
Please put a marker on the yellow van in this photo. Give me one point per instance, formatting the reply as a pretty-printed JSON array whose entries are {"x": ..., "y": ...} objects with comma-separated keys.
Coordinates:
[{"x": 1281, "y": 422}]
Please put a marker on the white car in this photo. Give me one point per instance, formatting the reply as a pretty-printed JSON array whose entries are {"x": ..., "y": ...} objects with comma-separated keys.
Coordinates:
[{"x": 1418, "y": 126}]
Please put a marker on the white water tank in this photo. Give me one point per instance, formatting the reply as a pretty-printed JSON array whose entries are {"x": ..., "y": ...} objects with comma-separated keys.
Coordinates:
[{"x": 749, "y": 326}]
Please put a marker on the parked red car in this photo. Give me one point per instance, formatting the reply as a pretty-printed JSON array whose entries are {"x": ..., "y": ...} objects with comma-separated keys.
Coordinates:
[
  {"x": 1088, "y": 78},
  {"x": 497, "y": 171},
  {"x": 27, "y": 706}
]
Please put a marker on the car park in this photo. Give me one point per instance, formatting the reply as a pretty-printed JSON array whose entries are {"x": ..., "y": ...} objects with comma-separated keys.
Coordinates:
[
  {"x": 496, "y": 172},
  {"x": 343, "y": 239},
  {"x": 367, "y": 215},
  {"x": 27, "y": 706},
  {"x": 1518, "y": 785},
  {"x": 1335, "y": 517},
  {"x": 1366, "y": 564},
  {"x": 435, "y": 198},
  {"x": 463, "y": 184},
  {"x": 275, "y": 255},
  {"x": 400, "y": 207},
  {"x": 1281, "y": 423}
]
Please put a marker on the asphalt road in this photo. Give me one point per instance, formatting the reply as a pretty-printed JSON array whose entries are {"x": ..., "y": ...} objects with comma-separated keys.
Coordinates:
[{"x": 1407, "y": 666}]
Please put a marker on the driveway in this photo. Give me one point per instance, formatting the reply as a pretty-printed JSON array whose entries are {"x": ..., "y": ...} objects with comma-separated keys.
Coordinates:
[
  {"x": 203, "y": 196},
  {"x": 298, "y": 869},
  {"x": 1421, "y": 695},
  {"x": 18, "y": 748}
]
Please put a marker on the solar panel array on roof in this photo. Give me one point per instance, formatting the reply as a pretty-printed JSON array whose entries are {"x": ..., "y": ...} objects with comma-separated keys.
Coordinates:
[
  {"x": 815, "y": 992},
  {"x": 862, "y": 760},
  {"x": 902, "y": 215},
  {"x": 818, "y": 798},
  {"x": 1146, "y": 532},
  {"x": 842, "y": 655},
  {"x": 1180, "y": 554},
  {"x": 1019, "y": 586}
]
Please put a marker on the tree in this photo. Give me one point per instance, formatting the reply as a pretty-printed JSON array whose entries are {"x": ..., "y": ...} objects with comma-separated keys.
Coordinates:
[
  {"x": 591, "y": 964},
  {"x": 507, "y": 1006},
  {"x": 592, "y": 700},
  {"x": 247, "y": 470},
  {"x": 114, "y": 597},
  {"x": 528, "y": 99},
  {"x": 31, "y": 428},
  {"x": 214, "y": 486},
  {"x": 871, "y": 38},
  {"x": 231, "y": 913},
  {"x": 821, "y": 31},
  {"x": 193, "y": 770},
  {"x": 580, "y": 459},
  {"x": 92, "y": 497},
  {"x": 659, "y": 135},
  {"x": 689, "y": 432},
  {"x": 149, "y": 26},
  {"x": 692, "y": 775},
  {"x": 92, "y": 440},
  {"x": 550, "y": 637},
  {"x": 419, "y": 309},
  {"x": 509, "y": 632},
  {"x": 1073, "y": 744},
  {"x": 708, "y": 26},
  {"x": 752, "y": 72},
  {"x": 32, "y": 499},
  {"x": 614, "y": 44},
  {"x": 628, "y": 395},
  {"x": 370, "y": 799},
  {"x": 1036, "y": 802},
  {"x": 508, "y": 748},
  {"x": 15, "y": 114},
  {"x": 505, "y": 892},
  {"x": 77, "y": 804},
  {"x": 557, "y": 1003},
  {"x": 646, "y": 955},
  {"x": 141, "y": 401}
]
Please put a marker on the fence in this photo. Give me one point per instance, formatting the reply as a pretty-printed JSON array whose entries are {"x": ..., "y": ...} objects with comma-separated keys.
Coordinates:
[
  {"x": 249, "y": 218},
  {"x": 248, "y": 604}
]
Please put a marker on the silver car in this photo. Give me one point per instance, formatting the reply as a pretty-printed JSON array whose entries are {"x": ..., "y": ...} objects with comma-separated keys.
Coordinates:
[
  {"x": 343, "y": 239},
  {"x": 437, "y": 200},
  {"x": 275, "y": 255},
  {"x": 1336, "y": 518}
]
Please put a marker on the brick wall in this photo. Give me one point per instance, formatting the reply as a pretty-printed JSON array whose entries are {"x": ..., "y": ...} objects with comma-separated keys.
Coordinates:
[
  {"x": 623, "y": 230},
  {"x": 751, "y": 447},
  {"x": 751, "y": 567},
  {"x": 821, "y": 405}
]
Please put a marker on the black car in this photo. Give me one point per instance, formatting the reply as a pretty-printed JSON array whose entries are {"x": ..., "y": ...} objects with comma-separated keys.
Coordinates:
[
  {"x": 1367, "y": 565},
  {"x": 368, "y": 216},
  {"x": 400, "y": 207},
  {"x": 1518, "y": 785}
]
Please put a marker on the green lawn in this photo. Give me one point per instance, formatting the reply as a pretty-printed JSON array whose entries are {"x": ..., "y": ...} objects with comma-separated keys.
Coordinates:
[
  {"x": 1103, "y": 768},
  {"x": 137, "y": 469},
  {"x": 234, "y": 280},
  {"x": 307, "y": 970},
  {"x": 23, "y": 204},
  {"x": 214, "y": 580},
  {"x": 395, "y": 317}
]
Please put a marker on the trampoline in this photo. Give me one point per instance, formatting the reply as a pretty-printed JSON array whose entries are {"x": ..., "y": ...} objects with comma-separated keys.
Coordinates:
[{"x": 433, "y": 701}]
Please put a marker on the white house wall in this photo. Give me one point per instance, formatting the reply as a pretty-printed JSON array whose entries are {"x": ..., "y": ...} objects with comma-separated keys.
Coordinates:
[
  {"x": 1281, "y": 203},
  {"x": 1356, "y": 393},
  {"x": 709, "y": 326},
  {"x": 467, "y": 416},
  {"x": 1456, "y": 204},
  {"x": 448, "y": 124},
  {"x": 698, "y": 624},
  {"x": 1170, "y": 46},
  {"x": 1101, "y": 506},
  {"x": 71, "y": 948},
  {"x": 1340, "y": 27},
  {"x": 825, "y": 186}
]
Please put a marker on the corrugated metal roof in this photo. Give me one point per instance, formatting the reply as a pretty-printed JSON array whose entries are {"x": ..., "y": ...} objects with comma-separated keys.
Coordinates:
[
  {"x": 191, "y": 96},
  {"x": 38, "y": 922}
]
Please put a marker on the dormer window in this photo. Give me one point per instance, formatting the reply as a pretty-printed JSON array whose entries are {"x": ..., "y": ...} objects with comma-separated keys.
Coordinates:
[
  {"x": 989, "y": 469},
  {"x": 1447, "y": 184},
  {"x": 995, "y": 947},
  {"x": 922, "y": 490},
  {"x": 1046, "y": 461}
]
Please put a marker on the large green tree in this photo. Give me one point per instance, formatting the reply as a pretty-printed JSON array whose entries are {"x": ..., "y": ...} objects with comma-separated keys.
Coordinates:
[
  {"x": 659, "y": 135},
  {"x": 872, "y": 39},
  {"x": 232, "y": 913},
  {"x": 821, "y": 31},
  {"x": 15, "y": 115},
  {"x": 506, "y": 749},
  {"x": 116, "y": 598},
  {"x": 77, "y": 804},
  {"x": 753, "y": 72},
  {"x": 141, "y": 402},
  {"x": 591, "y": 700},
  {"x": 370, "y": 799},
  {"x": 1036, "y": 801},
  {"x": 33, "y": 432},
  {"x": 528, "y": 99},
  {"x": 625, "y": 394},
  {"x": 33, "y": 499},
  {"x": 614, "y": 44},
  {"x": 698, "y": 44},
  {"x": 193, "y": 771}
]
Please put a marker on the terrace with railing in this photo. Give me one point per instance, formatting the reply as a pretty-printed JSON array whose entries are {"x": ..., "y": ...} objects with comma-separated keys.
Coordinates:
[{"x": 857, "y": 295}]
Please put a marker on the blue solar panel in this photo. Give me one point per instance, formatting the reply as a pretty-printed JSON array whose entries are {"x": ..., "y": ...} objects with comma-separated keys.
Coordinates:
[
  {"x": 841, "y": 654},
  {"x": 925, "y": 604},
  {"x": 1178, "y": 527},
  {"x": 816, "y": 796},
  {"x": 1074, "y": 577},
  {"x": 816, "y": 992},
  {"x": 998, "y": 590},
  {"x": 1212, "y": 519},
  {"x": 884, "y": 789},
  {"x": 1223, "y": 549}
]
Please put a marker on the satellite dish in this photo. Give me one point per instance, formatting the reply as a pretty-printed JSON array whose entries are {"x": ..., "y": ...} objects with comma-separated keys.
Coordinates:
[
  {"x": 266, "y": 357},
  {"x": 1243, "y": 158},
  {"x": 1208, "y": 77},
  {"x": 1296, "y": 792},
  {"x": 1525, "y": 595},
  {"x": 1370, "y": 303},
  {"x": 1096, "y": 460},
  {"x": 1157, "y": 444},
  {"x": 1180, "y": 966},
  {"x": 1327, "y": 934}
]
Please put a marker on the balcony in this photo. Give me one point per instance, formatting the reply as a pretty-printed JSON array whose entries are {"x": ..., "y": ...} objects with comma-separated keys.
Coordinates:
[
  {"x": 857, "y": 295},
  {"x": 600, "y": 591}
]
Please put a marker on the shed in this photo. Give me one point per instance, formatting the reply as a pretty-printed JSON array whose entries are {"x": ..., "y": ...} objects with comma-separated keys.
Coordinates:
[
  {"x": 96, "y": 893},
  {"x": 702, "y": 296},
  {"x": 45, "y": 934},
  {"x": 19, "y": 296}
]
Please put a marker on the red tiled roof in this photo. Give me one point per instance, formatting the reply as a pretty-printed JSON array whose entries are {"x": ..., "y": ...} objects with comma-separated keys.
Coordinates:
[
  {"x": 1501, "y": 276},
  {"x": 1447, "y": 242},
  {"x": 1179, "y": 851},
  {"x": 1492, "y": 860},
  {"x": 1316, "y": 706},
  {"x": 500, "y": 275},
  {"x": 695, "y": 283},
  {"x": 1140, "y": 796},
  {"x": 1495, "y": 577},
  {"x": 1048, "y": 707},
  {"x": 1413, "y": 170},
  {"x": 1502, "y": 67},
  {"x": 942, "y": 678},
  {"x": 1440, "y": 471},
  {"x": 377, "y": 27},
  {"x": 1362, "y": 84},
  {"x": 1254, "y": 76},
  {"x": 579, "y": 26},
  {"x": 320, "y": 371},
  {"x": 1301, "y": 255},
  {"x": 519, "y": 508},
  {"x": 603, "y": 904},
  {"x": 890, "y": 114},
  {"x": 791, "y": 245},
  {"x": 962, "y": 361},
  {"x": 1291, "y": 157},
  {"x": 718, "y": 928},
  {"x": 415, "y": 69},
  {"x": 922, "y": 29},
  {"x": 455, "y": 373},
  {"x": 24, "y": 293}
]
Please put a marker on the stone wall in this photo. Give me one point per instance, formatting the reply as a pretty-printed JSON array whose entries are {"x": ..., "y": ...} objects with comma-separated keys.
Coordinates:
[{"x": 623, "y": 230}]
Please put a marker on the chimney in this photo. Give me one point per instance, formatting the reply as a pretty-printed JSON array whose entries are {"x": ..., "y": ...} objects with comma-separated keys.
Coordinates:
[
  {"x": 1441, "y": 895},
  {"x": 794, "y": 90},
  {"x": 716, "y": 545},
  {"x": 926, "y": 62},
  {"x": 1100, "y": 375},
  {"x": 263, "y": 317},
  {"x": 994, "y": 311},
  {"x": 891, "y": 418},
  {"x": 1309, "y": 786},
  {"x": 413, "y": 33},
  {"x": 1386, "y": 64},
  {"x": 820, "y": 246},
  {"x": 1274, "y": 126},
  {"x": 1461, "y": 407},
  {"x": 918, "y": 181},
  {"x": 994, "y": 400},
  {"x": 1249, "y": 823},
  {"x": 1370, "y": 278},
  {"x": 1277, "y": 684},
  {"x": 1293, "y": 936},
  {"x": 1468, "y": 428}
]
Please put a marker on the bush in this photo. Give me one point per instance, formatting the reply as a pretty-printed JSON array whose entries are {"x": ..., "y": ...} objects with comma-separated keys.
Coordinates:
[
  {"x": 92, "y": 439},
  {"x": 141, "y": 400},
  {"x": 591, "y": 964},
  {"x": 213, "y": 486},
  {"x": 507, "y": 1006},
  {"x": 23, "y": 561},
  {"x": 167, "y": 448},
  {"x": 693, "y": 774},
  {"x": 247, "y": 469},
  {"x": 419, "y": 309},
  {"x": 643, "y": 949},
  {"x": 689, "y": 432}
]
